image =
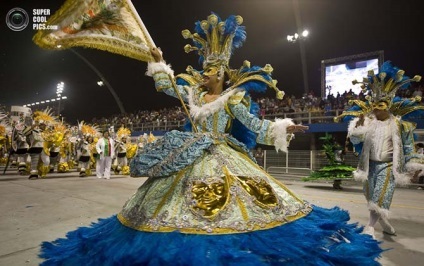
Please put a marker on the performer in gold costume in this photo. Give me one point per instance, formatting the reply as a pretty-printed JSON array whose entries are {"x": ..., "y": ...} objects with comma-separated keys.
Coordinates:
[
  {"x": 124, "y": 151},
  {"x": 41, "y": 137}
]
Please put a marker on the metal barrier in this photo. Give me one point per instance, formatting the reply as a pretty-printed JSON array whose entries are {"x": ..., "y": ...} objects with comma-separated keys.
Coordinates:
[
  {"x": 298, "y": 162},
  {"x": 156, "y": 126},
  {"x": 308, "y": 117},
  {"x": 313, "y": 117}
]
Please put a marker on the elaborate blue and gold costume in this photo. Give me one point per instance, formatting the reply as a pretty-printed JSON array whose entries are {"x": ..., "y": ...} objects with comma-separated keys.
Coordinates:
[
  {"x": 206, "y": 201},
  {"x": 385, "y": 141},
  {"x": 208, "y": 182}
]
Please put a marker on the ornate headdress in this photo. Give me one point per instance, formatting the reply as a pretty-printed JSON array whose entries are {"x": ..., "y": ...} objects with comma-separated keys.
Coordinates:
[
  {"x": 45, "y": 117},
  {"x": 123, "y": 132},
  {"x": 88, "y": 130},
  {"x": 55, "y": 134},
  {"x": 216, "y": 50},
  {"x": 5, "y": 128},
  {"x": 382, "y": 89},
  {"x": 151, "y": 138},
  {"x": 215, "y": 40}
]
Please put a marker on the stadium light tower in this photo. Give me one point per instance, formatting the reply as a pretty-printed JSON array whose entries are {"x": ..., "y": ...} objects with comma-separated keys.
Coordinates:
[
  {"x": 295, "y": 37},
  {"x": 60, "y": 87},
  {"x": 301, "y": 38}
]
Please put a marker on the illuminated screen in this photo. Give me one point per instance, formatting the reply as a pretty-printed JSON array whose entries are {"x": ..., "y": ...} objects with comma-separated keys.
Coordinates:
[{"x": 338, "y": 78}]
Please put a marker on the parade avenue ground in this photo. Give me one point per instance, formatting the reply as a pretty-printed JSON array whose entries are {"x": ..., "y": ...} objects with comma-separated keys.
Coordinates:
[{"x": 40, "y": 210}]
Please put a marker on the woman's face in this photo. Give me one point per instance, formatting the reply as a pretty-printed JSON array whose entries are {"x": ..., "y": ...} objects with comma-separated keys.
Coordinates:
[
  {"x": 210, "y": 77},
  {"x": 380, "y": 106}
]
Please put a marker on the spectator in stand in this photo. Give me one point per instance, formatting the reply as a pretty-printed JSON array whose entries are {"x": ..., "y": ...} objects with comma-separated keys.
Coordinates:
[
  {"x": 259, "y": 156},
  {"x": 328, "y": 109}
]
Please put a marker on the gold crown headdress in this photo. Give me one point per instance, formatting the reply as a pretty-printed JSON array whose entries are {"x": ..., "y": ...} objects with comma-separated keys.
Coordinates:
[
  {"x": 383, "y": 88},
  {"x": 88, "y": 130},
  {"x": 215, "y": 41},
  {"x": 5, "y": 128},
  {"x": 45, "y": 117},
  {"x": 151, "y": 138},
  {"x": 123, "y": 132},
  {"x": 55, "y": 134},
  {"x": 60, "y": 127}
]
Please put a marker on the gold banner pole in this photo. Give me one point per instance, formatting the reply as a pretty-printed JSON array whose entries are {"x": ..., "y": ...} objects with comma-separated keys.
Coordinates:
[{"x": 193, "y": 126}]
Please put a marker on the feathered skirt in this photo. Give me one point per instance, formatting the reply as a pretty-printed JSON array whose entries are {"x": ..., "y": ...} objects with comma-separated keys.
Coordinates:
[{"x": 207, "y": 202}]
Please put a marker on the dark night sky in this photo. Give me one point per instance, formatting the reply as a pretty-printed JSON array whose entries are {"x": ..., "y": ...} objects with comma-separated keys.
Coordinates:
[{"x": 337, "y": 28}]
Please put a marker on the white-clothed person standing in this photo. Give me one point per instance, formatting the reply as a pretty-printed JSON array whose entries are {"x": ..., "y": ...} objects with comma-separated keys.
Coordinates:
[{"x": 105, "y": 148}]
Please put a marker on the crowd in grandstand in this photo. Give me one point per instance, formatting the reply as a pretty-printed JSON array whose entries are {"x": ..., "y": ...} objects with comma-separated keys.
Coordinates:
[
  {"x": 174, "y": 117},
  {"x": 268, "y": 106}
]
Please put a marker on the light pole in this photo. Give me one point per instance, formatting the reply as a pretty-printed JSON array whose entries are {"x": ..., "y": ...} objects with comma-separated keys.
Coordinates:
[
  {"x": 103, "y": 80},
  {"x": 301, "y": 37},
  {"x": 60, "y": 87}
]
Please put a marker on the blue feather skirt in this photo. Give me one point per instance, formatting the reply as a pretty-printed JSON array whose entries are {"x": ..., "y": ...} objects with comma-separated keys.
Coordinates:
[
  {"x": 323, "y": 237},
  {"x": 206, "y": 203}
]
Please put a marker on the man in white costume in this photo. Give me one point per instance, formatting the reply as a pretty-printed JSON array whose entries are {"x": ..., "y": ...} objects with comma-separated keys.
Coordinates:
[
  {"x": 387, "y": 157},
  {"x": 106, "y": 149}
]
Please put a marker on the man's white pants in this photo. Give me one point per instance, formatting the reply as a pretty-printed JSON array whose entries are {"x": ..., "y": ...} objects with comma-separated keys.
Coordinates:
[{"x": 103, "y": 167}]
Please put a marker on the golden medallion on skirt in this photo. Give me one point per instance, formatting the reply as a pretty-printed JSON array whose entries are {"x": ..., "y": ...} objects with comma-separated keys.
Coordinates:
[
  {"x": 260, "y": 190},
  {"x": 209, "y": 198}
]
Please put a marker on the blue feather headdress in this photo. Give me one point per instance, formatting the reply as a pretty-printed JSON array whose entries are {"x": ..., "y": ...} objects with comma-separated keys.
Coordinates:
[
  {"x": 383, "y": 88},
  {"x": 215, "y": 41}
]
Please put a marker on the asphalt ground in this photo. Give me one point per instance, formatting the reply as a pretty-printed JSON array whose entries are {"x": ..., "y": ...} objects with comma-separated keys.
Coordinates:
[{"x": 33, "y": 211}]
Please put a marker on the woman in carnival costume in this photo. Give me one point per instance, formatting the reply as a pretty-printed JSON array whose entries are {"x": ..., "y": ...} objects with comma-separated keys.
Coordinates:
[
  {"x": 41, "y": 138},
  {"x": 20, "y": 146},
  {"x": 65, "y": 150},
  {"x": 124, "y": 151},
  {"x": 206, "y": 201},
  {"x": 87, "y": 133},
  {"x": 58, "y": 134},
  {"x": 384, "y": 139}
]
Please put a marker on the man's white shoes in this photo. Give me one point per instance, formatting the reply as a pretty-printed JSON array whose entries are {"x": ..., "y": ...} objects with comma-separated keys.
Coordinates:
[
  {"x": 369, "y": 231},
  {"x": 387, "y": 227}
]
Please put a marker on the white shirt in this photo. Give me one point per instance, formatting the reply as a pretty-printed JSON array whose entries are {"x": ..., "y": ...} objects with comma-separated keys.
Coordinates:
[
  {"x": 382, "y": 144},
  {"x": 100, "y": 147}
]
